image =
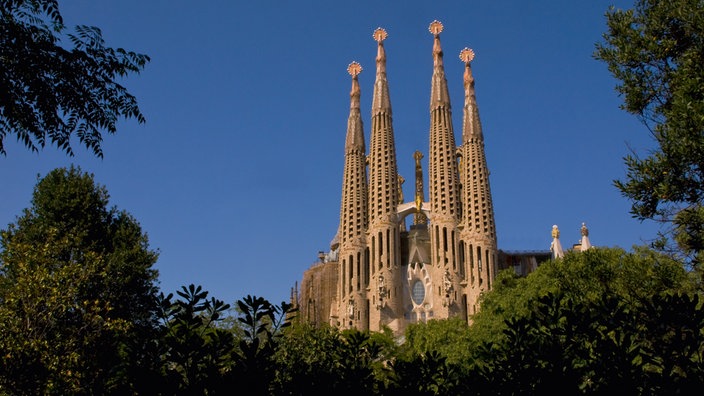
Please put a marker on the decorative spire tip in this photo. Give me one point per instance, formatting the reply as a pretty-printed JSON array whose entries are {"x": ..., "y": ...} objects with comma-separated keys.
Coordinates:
[
  {"x": 435, "y": 27},
  {"x": 380, "y": 35},
  {"x": 466, "y": 55},
  {"x": 354, "y": 69}
]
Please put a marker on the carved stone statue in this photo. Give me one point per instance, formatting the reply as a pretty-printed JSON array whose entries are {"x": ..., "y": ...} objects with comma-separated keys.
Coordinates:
[
  {"x": 447, "y": 286},
  {"x": 419, "y": 217},
  {"x": 447, "y": 281},
  {"x": 382, "y": 291}
]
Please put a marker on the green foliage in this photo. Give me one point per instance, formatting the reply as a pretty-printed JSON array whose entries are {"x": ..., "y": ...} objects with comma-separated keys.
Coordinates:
[
  {"x": 51, "y": 92},
  {"x": 325, "y": 360},
  {"x": 195, "y": 355},
  {"x": 656, "y": 51},
  {"x": 360, "y": 363},
  {"x": 263, "y": 324},
  {"x": 583, "y": 277},
  {"x": 427, "y": 374},
  {"x": 604, "y": 346},
  {"x": 508, "y": 298},
  {"x": 306, "y": 360},
  {"x": 448, "y": 337},
  {"x": 76, "y": 287}
]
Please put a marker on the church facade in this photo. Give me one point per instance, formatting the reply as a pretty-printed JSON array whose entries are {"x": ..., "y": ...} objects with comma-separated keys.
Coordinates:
[{"x": 381, "y": 272}]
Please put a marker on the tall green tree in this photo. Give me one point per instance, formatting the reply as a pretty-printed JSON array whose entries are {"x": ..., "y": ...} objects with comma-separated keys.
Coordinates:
[
  {"x": 77, "y": 285},
  {"x": 51, "y": 91},
  {"x": 656, "y": 52}
]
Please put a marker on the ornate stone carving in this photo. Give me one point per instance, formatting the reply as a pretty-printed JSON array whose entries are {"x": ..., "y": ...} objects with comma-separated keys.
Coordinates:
[
  {"x": 448, "y": 288},
  {"x": 383, "y": 292}
]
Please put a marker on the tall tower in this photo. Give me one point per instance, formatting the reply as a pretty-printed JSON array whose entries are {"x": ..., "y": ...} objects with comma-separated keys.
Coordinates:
[
  {"x": 444, "y": 185},
  {"x": 354, "y": 218},
  {"x": 378, "y": 273},
  {"x": 383, "y": 239},
  {"x": 478, "y": 251}
]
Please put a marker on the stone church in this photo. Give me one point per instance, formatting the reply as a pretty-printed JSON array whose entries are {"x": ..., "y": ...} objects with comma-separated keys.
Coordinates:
[{"x": 379, "y": 272}]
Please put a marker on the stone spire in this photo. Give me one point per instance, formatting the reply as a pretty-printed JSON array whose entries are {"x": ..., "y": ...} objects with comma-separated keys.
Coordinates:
[
  {"x": 354, "y": 208},
  {"x": 381, "y": 100},
  {"x": 471, "y": 125},
  {"x": 419, "y": 198},
  {"x": 355, "y": 133},
  {"x": 443, "y": 185},
  {"x": 384, "y": 237},
  {"x": 478, "y": 233},
  {"x": 383, "y": 170},
  {"x": 584, "y": 242},
  {"x": 556, "y": 246},
  {"x": 354, "y": 219},
  {"x": 439, "y": 95},
  {"x": 478, "y": 210}
]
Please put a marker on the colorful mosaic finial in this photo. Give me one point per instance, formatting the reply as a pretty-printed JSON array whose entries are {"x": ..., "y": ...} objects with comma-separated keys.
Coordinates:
[
  {"x": 466, "y": 55},
  {"x": 354, "y": 69},
  {"x": 435, "y": 27},
  {"x": 380, "y": 35}
]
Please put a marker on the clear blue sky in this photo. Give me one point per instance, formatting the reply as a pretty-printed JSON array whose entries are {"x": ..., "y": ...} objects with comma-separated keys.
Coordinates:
[{"x": 236, "y": 176}]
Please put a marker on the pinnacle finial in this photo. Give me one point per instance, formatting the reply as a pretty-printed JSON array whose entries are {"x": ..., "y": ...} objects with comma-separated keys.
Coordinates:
[
  {"x": 435, "y": 27},
  {"x": 380, "y": 35},
  {"x": 584, "y": 230},
  {"x": 466, "y": 55},
  {"x": 555, "y": 231},
  {"x": 354, "y": 69}
]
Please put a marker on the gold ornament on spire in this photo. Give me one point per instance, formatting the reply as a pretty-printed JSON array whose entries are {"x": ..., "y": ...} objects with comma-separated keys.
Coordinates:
[
  {"x": 401, "y": 180},
  {"x": 419, "y": 217},
  {"x": 354, "y": 69},
  {"x": 380, "y": 35},
  {"x": 435, "y": 27},
  {"x": 555, "y": 232},
  {"x": 584, "y": 230},
  {"x": 466, "y": 55}
]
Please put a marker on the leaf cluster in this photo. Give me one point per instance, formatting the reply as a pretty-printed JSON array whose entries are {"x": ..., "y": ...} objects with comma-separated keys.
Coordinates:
[
  {"x": 193, "y": 353},
  {"x": 51, "y": 92},
  {"x": 76, "y": 286},
  {"x": 599, "y": 347},
  {"x": 656, "y": 52}
]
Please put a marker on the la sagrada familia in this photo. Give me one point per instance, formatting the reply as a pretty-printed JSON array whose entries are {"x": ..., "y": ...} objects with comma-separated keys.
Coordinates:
[{"x": 381, "y": 273}]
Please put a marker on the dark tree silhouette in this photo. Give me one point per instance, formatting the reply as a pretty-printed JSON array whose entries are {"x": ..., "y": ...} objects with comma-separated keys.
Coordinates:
[{"x": 52, "y": 93}]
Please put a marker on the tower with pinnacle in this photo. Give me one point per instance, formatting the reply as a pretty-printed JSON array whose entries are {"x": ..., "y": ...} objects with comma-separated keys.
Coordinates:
[{"x": 387, "y": 275}]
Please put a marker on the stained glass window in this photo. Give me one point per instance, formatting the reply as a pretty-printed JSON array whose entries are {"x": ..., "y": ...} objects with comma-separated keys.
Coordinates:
[{"x": 418, "y": 292}]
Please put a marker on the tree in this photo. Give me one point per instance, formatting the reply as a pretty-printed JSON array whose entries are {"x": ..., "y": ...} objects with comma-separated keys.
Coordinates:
[
  {"x": 306, "y": 360},
  {"x": 262, "y": 324},
  {"x": 583, "y": 277},
  {"x": 600, "y": 321},
  {"x": 325, "y": 360},
  {"x": 49, "y": 92},
  {"x": 193, "y": 355},
  {"x": 428, "y": 373},
  {"x": 571, "y": 346},
  {"x": 656, "y": 51},
  {"x": 76, "y": 287},
  {"x": 449, "y": 337}
]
